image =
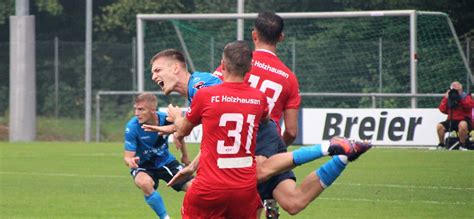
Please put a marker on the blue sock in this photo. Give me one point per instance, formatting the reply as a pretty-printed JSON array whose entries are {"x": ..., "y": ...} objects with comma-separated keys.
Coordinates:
[
  {"x": 306, "y": 154},
  {"x": 330, "y": 171},
  {"x": 156, "y": 203}
]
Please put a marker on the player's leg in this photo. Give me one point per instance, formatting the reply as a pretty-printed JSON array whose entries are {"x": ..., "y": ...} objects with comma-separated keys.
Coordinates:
[
  {"x": 282, "y": 162},
  {"x": 294, "y": 199},
  {"x": 147, "y": 184}
]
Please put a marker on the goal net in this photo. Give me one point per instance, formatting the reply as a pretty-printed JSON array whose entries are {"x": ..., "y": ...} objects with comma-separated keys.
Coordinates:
[
  {"x": 360, "y": 53},
  {"x": 342, "y": 60}
]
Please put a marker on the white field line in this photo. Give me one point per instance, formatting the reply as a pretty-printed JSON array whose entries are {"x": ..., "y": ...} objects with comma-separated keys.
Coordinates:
[
  {"x": 395, "y": 201},
  {"x": 408, "y": 186},
  {"x": 65, "y": 175},
  {"x": 336, "y": 183},
  {"x": 70, "y": 155},
  {"x": 323, "y": 198}
]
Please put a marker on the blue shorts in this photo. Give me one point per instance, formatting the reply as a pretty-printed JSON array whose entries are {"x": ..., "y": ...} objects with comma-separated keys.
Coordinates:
[
  {"x": 269, "y": 142},
  {"x": 165, "y": 173}
]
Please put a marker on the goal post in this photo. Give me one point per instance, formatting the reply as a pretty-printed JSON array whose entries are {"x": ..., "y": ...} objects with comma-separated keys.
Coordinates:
[{"x": 358, "y": 55}]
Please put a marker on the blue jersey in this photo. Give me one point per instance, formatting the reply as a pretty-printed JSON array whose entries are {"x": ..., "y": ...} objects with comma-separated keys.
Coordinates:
[
  {"x": 149, "y": 146},
  {"x": 199, "y": 80}
]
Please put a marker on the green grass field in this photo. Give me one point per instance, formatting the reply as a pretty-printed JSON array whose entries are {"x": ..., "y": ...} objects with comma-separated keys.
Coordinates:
[{"x": 78, "y": 180}]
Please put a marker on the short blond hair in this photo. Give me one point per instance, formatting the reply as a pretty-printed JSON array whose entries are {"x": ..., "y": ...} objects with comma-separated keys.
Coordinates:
[{"x": 149, "y": 98}]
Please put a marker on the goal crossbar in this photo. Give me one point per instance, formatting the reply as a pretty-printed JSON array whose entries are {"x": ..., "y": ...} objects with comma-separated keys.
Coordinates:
[{"x": 412, "y": 14}]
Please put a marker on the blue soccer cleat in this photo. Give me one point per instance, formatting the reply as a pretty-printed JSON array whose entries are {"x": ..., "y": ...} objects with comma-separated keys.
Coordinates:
[{"x": 351, "y": 148}]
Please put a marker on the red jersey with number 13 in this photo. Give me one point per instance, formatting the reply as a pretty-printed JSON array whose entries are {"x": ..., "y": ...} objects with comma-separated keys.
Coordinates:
[
  {"x": 271, "y": 76},
  {"x": 230, "y": 114}
]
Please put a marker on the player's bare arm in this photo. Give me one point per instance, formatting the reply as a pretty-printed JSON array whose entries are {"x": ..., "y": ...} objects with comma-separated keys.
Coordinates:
[
  {"x": 162, "y": 130},
  {"x": 130, "y": 159},
  {"x": 181, "y": 145},
  {"x": 183, "y": 126},
  {"x": 290, "y": 117}
]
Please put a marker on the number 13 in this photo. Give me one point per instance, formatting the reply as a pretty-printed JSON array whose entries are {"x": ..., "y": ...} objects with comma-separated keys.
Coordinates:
[{"x": 267, "y": 84}]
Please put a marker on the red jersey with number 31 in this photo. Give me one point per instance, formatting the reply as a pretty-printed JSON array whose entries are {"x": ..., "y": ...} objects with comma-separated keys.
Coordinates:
[{"x": 230, "y": 114}]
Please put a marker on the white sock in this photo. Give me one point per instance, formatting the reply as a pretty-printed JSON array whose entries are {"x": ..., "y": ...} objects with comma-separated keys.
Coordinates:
[
  {"x": 325, "y": 148},
  {"x": 343, "y": 159}
]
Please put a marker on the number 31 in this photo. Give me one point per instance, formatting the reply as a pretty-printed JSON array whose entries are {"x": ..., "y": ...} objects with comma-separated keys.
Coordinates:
[{"x": 238, "y": 118}]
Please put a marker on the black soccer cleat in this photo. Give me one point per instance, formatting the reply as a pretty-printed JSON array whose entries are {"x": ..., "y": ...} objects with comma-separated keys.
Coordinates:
[{"x": 351, "y": 148}]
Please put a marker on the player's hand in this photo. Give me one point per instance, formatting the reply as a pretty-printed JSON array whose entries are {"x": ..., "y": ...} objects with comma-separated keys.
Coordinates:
[
  {"x": 133, "y": 162},
  {"x": 181, "y": 175},
  {"x": 185, "y": 160},
  {"x": 173, "y": 113}
]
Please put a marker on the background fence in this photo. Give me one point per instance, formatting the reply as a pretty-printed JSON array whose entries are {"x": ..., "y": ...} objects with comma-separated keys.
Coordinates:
[{"x": 330, "y": 64}]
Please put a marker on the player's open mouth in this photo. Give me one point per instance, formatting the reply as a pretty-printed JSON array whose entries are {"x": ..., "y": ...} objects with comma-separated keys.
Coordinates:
[{"x": 160, "y": 83}]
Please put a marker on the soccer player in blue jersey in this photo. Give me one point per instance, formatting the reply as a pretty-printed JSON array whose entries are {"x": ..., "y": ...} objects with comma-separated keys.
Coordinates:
[
  {"x": 170, "y": 73},
  {"x": 147, "y": 155}
]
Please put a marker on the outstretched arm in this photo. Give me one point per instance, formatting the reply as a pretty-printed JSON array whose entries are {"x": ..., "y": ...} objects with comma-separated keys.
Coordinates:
[{"x": 162, "y": 130}]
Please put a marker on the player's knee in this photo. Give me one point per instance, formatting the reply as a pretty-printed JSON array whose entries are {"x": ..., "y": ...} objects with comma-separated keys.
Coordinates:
[
  {"x": 293, "y": 207},
  {"x": 292, "y": 204},
  {"x": 143, "y": 184}
]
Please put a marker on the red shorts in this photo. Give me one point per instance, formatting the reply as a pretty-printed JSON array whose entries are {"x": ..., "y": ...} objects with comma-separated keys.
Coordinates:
[{"x": 214, "y": 204}]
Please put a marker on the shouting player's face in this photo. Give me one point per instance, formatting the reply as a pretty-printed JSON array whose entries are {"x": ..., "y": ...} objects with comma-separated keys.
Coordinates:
[
  {"x": 144, "y": 112},
  {"x": 164, "y": 73}
]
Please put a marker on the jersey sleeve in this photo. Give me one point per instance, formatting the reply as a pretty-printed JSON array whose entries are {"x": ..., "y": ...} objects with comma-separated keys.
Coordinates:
[
  {"x": 130, "y": 139},
  {"x": 218, "y": 72},
  {"x": 162, "y": 119},
  {"x": 194, "y": 113},
  {"x": 294, "y": 98},
  {"x": 202, "y": 80}
]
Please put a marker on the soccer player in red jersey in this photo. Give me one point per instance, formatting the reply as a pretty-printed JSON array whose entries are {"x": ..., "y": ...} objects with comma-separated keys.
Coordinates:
[
  {"x": 226, "y": 181},
  {"x": 272, "y": 77}
]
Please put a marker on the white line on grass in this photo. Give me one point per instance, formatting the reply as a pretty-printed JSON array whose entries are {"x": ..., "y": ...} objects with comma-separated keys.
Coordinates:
[
  {"x": 333, "y": 199},
  {"x": 394, "y": 201},
  {"x": 96, "y": 155},
  {"x": 407, "y": 186},
  {"x": 65, "y": 175},
  {"x": 349, "y": 184}
]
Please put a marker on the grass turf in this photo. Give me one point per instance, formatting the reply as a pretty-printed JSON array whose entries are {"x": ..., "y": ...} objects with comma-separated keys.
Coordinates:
[{"x": 79, "y": 180}]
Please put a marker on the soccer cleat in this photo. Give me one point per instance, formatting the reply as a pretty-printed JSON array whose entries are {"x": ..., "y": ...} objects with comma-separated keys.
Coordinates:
[
  {"x": 351, "y": 148},
  {"x": 271, "y": 209}
]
